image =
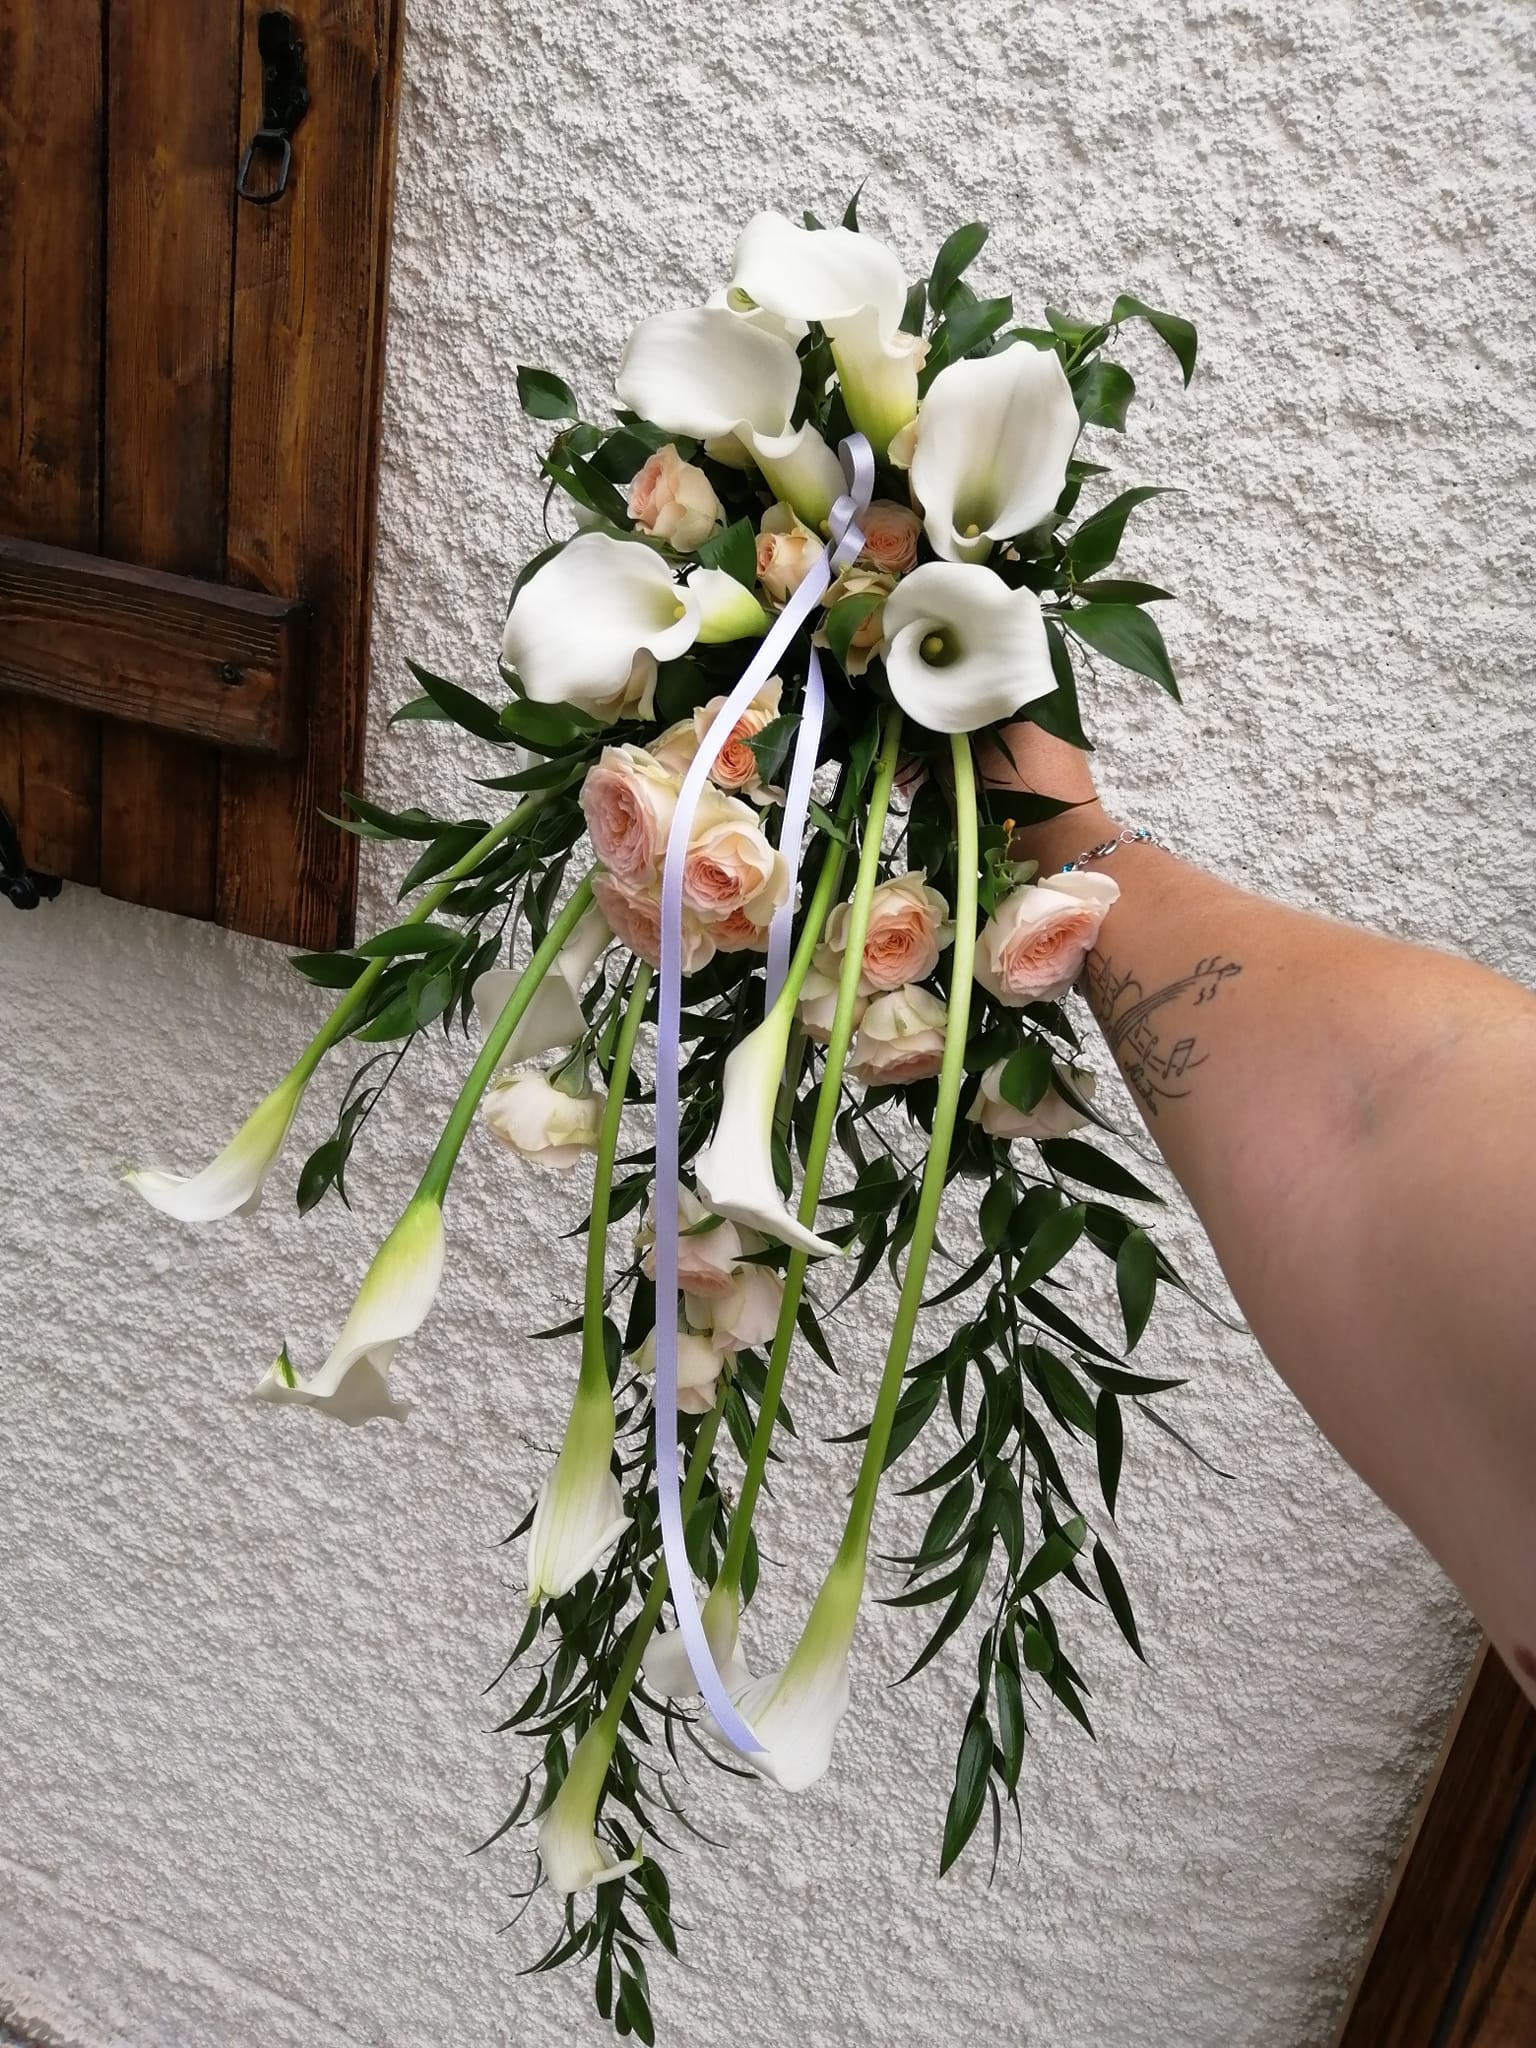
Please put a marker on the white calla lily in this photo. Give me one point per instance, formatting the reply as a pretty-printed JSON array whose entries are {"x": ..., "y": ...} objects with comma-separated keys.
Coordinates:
[
  {"x": 727, "y": 609},
  {"x": 553, "y": 1021},
  {"x": 231, "y": 1184},
  {"x": 666, "y": 1668},
  {"x": 853, "y": 286},
  {"x": 709, "y": 374},
  {"x": 734, "y": 1172},
  {"x": 580, "y": 1513},
  {"x": 393, "y": 1302},
  {"x": 990, "y": 449},
  {"x": 579, "y": 626},
  {"x": 795, "y": 1712},
  {"x": 569, "y": 1849},
  {"x": 734, "y": 301},
  {"x": 961, "y": 649}
]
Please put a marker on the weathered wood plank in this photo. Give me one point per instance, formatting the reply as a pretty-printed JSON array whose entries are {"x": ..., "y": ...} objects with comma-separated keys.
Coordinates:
[
  {"x": 310, "y": 288},
  {"x": 173, "y": 139},
  {"x": 191, "y": 657},
  {"x": 50, "y": 380}
]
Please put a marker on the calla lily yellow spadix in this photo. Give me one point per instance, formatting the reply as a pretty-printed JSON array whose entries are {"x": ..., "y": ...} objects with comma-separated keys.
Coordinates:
[
  {"x": 392, "y": 1304},
  {"x": 990, "y": 449},
  {"x": 231, "y": 1184},
  {"x": 708, "y": 373},
  {"x": 962, "y": 650},
  {"x": 853, "y": 286},
  {"x": 569, "y": 1849}
]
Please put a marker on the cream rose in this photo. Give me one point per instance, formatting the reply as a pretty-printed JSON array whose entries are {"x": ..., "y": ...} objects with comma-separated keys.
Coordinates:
[
  {"x": 865, "y": 644},
  {"x": 786, "y": 549},
  {"x": 1053, "y": 1116},
  {"x": 730, "y": 867},
  {"x": 628, "y": 799},
  {"x": 675, "y": 748},
  {"x": 633, "y": 912},
  {"x": 706, "y": 1259},
  {"x": 908, "y": 928},
  {"x": 901, "y": 1038},
  {"x": 674, "y": 501},
  {"x": 1032, "y": 948},
  {"x": 818, "y": 995},
  {"x": 747, "y": 1316},
  {"x": 530, "y": 1115},
  {"x": 890, "y": 536},
  {"x": 698, "y": 1370}
]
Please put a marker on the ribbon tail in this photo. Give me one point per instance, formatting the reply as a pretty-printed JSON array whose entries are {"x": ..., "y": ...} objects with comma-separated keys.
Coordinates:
[{"x": 797, "y": 807}]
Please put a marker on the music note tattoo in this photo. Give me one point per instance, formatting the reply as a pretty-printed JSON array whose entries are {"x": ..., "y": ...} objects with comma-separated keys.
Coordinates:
[{"x": 1156, "y": 1049}]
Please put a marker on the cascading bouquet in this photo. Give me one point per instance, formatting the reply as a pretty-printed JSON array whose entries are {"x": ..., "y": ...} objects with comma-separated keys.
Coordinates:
[{"x": 817, "y": 979}]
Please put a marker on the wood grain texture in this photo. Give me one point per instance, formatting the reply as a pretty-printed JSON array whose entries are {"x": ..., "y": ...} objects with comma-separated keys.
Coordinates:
[
  {"x": 174, "y": 652},
  {"x": 311, "y": 279},
  {"x": 172, "y": 148},
  {"x": 50, "y": 380},
  {"x": 1452, "y": 1962}
]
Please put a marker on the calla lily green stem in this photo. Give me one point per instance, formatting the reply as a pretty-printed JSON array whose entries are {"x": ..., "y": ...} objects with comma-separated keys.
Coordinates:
[
  {"x": 852, "y": 1551},
  {"x": 440, "y": 1166},
  {"x": 594, "y": 1370},
  {"x": 827, "y": 1103}
]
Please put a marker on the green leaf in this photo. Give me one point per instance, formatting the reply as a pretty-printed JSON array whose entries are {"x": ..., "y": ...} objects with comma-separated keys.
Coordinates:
[
  {"x": 969, "y": 1795},
  {"x": 851, "y": 210},
  {"x": 966, "y": 327},
  {"x": 770, "y": 747},
  {"x": 1127, "y": 635},
  {"x": 544, "y": 396},
  {"x": 996, "y": 1211},
  {"x": 1122, "y": 590},
  {"x": 1115, "y": 1594},
  {"x": 402, "y": 939},
  {"x": 1049, "y": 1246},
  {"x": 419, "y": 708},
  {"x": 547, "y": 728},
  {"x": 845, "y": 619},
  {"x": 1027, "y": 1075},
  {"x": 1070, "y": 1156},
  {"x": 1136, "y": 1282},
  {"x": 1057, "y": 1554},
  {"x": 1059, "y": 714},
  {"x": 1103, "y": 392},
  {"x": 329, "y": 970},
  {"x": 1078, "y": 334},
  {"x": 915, "y": 308},
  {"x": 1177, "y": 333},
  {"x": 734, "y": 551},
  {"x": 1097, "y": 541},
  {"x": 959, "y": 252},
  {"x": 1109, "y": 1442},
  {"x": 1011, "y": 1725},
  {"x": 461, "y": 705}
]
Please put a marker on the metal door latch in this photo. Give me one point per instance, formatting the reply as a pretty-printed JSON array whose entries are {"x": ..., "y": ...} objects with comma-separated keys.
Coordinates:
[
  {"x": 284, "y": 103},
  {"x": 25, "y": 888}
]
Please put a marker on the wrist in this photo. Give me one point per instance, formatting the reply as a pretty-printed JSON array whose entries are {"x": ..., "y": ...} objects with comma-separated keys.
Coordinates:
[{"x": 1064, "y": 837}]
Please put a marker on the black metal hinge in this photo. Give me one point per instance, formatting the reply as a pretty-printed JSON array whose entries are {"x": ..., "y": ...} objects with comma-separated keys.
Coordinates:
[
  {"x": 25, "y": 888},
  {"x": 284, "y": 103}
]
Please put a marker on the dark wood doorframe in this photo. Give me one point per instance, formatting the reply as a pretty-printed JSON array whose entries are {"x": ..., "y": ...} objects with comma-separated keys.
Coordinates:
[{"x": 1451, "y": 1962}]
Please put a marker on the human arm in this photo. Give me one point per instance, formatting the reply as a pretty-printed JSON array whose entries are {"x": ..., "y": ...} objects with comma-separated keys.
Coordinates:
[{"x": 1352, "y": 1118}]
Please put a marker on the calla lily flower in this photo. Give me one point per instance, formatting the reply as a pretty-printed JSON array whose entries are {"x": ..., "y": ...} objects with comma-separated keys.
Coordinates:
[
  {"x": 990, "y": 450},
  {"x": 795, "y": 1712},
  {"x": 393, "y": 1302},
  {"x": 666, "y": 1668},
  {"x": 727, "y": 609},
  {"x": 580, "y": 1515},
  {"x": 580, "y": 625},
  {"x": 231, "y": 1184},
  {"x": 962, "y": 650},
  {"x": 734, "y": 1172},
  {"x": 707, "y": 373},
  {"x": 852, "y": 286},
  {"x": 569, "y": 1849},
  {"x": 553, "y": 1021}
]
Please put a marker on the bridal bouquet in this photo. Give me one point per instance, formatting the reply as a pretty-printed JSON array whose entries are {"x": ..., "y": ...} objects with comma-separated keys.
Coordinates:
[{"x": 756, "y": 936}]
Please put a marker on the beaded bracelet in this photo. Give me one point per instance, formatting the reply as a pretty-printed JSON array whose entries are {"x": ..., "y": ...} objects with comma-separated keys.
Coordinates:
[{"x": 1131, "y": 836}]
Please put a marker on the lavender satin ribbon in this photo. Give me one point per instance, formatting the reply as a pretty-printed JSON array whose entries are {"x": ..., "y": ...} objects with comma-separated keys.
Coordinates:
[{"x": 844, "y": 543}]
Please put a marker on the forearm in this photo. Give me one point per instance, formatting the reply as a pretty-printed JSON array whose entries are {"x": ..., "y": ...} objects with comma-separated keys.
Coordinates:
[{"x": 1351, "y": 1118}]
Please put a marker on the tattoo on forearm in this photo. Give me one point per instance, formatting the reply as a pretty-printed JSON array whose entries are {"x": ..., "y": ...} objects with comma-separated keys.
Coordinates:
[{"x": 1151, "y": 1035}]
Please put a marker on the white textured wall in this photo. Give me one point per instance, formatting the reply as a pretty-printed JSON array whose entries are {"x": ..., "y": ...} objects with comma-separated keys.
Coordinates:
[{"x": 241, "y": 1749}]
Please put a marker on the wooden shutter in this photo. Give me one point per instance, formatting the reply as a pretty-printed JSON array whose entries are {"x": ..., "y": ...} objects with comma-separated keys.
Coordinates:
[{"x": 189, "y": 402}]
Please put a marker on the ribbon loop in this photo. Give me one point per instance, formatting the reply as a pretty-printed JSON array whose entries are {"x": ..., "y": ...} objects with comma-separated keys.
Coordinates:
[{"x": 845, "y": 540}]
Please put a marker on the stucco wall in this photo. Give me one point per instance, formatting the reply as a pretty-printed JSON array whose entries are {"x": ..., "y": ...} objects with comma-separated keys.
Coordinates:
[{"x": 242, "y": 1751}]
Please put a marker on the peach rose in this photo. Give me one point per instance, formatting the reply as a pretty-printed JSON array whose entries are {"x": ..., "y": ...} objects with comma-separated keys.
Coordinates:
[
  {"x": 730, "y": 865},
  {"x": 908, "y": 929},
  {"x": 865, "y": 644},
  {"x": 817, "y": 1005},
  {"x": 698, "y": 1370},
  {"x": 735, "y": 768},
  {"x": 1032, "y": 948},
  {"x": 1053, "y": 1116},
  {"x": 633, "y": 911},
  {"x": 786, "y": 550},
  {"x": 890, "y": 536},
  {"x": 628, "y": 799},
  {"x": 706, "y": 1259},
  {"x": 529, "y": 1114},
  {"x": 675, "y": 748},
  {"x": 901, "y": 1038},
  {"x": 674, "y": 501}
]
